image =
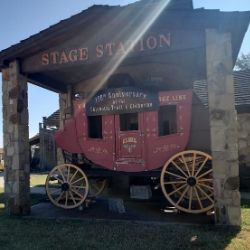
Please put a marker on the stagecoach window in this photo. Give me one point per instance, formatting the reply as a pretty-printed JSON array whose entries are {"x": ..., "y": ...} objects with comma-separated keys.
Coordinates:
[
  {"x": 95, "y": 126},
  {"x": 129, "y": 121},
  {"x": 167, "y": 120}
]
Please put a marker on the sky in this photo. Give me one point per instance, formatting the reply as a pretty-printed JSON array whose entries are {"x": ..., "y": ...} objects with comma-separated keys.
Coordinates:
[{"x": 22, "y": 18}]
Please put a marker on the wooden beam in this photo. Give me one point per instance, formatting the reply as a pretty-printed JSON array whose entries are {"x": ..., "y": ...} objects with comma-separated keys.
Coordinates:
[{"x": 47, "y": 83}]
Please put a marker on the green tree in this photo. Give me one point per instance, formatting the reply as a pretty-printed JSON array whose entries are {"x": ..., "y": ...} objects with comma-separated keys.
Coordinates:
[{"x": 243, "y": 62}]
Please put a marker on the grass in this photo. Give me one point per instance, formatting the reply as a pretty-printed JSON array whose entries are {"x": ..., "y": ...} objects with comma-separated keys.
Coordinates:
[
  {"x": 36, "y": 234},
  {"x": 16, "y": 233},
  {"x": 20, "y": 233},
  {"x": 37, "y": 179}
]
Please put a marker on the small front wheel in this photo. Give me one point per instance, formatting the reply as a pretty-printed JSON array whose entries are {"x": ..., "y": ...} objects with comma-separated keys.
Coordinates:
[{"x": 67, "y": 186}]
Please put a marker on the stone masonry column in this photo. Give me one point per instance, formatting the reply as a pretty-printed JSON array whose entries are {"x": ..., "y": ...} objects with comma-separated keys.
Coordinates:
[
  {"x": 16, "y": 141},
  {"x": 223, "y": 127}
]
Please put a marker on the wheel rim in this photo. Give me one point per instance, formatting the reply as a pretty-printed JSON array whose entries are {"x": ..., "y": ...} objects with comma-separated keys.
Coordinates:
[
  {"x": 67, "y": 186},
  {"x": 187, "y": 182},
  {"x": 96, "y": 187}
]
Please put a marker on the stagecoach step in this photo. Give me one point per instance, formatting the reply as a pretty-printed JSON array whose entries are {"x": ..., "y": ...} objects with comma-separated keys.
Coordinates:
[
  {"x": 116, "y": 205},
  {"x": 142, "y": 192}
]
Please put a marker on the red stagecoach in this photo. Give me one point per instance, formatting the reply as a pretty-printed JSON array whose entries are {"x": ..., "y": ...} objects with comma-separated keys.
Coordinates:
[{"x": 132, "y": 130}]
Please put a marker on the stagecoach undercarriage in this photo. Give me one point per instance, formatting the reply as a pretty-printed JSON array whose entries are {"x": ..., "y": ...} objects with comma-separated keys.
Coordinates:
[{"x": 185, "y": 179}]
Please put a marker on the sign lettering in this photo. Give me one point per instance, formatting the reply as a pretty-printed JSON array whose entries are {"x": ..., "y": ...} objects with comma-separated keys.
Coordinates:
[
  {"x": 122, "y": 100},
  {"x": 109, "y": 49}
]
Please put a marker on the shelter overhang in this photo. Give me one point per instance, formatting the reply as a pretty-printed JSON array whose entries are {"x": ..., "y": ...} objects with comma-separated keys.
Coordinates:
[{"x": 90, "y": 43}]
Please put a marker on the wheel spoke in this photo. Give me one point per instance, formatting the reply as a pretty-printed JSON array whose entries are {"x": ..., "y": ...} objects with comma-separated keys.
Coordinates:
[
  {"x": 176, "y": 190},
  {"x": 72, "y": 197},
  {"x": 176, "y": 175},
  {"x": 204, "y": 180},
  {"x": 59, "y": 170},
  {"x": 185, "y": 164},
  {"x": 201, "y": 167},
  {"x": 190, "y": 198},
  {"x": 78, "y": 180},
  {"x": 193, "y": 165},
  {"x": 60, "y": 197},
  {"x": 68, "y": 174},
  {"x": 198, "y": 198},
  {"x": 179, "y": 168},
  {"x": 93, "y": 185},
  {"x": 72, "y": 178},
  {"x": 174, "y": 182},
  {"x": 207, "y": 186},
  {"x": 77, "y": 193},
  {"x": 180, "y": 199},
  {"x": 206, "y": 173},
  {"x": 205, "y": 194},
  {"x": 84, "y": 187}
]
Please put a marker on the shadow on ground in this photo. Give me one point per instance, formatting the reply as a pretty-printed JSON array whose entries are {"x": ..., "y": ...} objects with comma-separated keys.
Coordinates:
[{"x": 111, "y": 206}]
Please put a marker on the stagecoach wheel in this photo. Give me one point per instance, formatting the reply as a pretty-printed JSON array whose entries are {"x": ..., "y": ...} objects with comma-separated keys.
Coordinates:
[
  {"x": 67, "y": 186},
  {"x": 187, "y": 181},
  {"x": 96, "y": 186}
]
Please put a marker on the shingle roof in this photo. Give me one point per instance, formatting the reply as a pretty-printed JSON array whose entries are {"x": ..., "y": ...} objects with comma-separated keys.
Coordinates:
[
  {"x": 67, "y": 27},
  {"x": 53, "y": 119},
  {"x": 241, "y": 88}
]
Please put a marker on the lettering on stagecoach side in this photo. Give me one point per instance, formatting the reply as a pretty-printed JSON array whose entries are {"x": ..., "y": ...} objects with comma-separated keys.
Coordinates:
[
  {"x": 165, "y": 148},
  {"x": 172, "y": 98},
  {"x": 122, "y": 100},
  {"x": 129, "y": 140},
  {"x": 129, "y": 144},
  {"x": 71, "y": 55},
  {"x": 97, "y": 150}
]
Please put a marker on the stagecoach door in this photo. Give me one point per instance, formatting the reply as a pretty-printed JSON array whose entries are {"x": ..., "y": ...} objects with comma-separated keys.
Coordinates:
[{"x": 129, "y": 136}]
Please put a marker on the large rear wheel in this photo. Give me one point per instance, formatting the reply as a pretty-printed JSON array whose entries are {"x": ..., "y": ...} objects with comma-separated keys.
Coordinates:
[
  {"x": 67, "y": 186},
  {"x": 187, "y": 181}
]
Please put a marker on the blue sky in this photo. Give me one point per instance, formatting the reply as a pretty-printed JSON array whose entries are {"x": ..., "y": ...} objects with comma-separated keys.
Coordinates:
[{"x": 23, "y": 18}]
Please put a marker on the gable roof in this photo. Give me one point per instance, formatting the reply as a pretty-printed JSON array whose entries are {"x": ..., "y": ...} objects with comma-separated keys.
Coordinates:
[
  {"x": 236, "y": 22},
  {"x": 99, "y": 17}
]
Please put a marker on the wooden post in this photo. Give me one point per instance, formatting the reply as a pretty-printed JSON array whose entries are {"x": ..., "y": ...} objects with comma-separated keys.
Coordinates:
[
  {"x": 16, "y": 140},
  {"x": 223, "y": 127},
  {"x": 63, "y": 105}
]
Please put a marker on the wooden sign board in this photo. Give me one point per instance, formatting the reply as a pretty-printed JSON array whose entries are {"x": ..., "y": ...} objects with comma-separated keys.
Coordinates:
[
  {"x": 88, "y": 51},
  {"x": 122, "y": 100}
]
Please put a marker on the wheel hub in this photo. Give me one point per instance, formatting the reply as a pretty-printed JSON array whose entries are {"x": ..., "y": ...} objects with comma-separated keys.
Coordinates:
[
  {"x": 191, "y": 181},
  {"x": 65, "y": 186}
]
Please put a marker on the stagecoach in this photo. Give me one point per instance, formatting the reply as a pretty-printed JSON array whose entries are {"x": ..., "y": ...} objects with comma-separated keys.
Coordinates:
[{"x": 132, "y": 130}]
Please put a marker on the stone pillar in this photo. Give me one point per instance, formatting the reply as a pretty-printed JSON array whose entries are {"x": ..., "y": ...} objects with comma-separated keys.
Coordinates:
[
  {"x": 223, "y": 127},
  {"x": 16, "y": 141}
]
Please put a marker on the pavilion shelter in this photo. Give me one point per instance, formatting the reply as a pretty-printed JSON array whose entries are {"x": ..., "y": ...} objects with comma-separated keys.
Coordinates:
[{"x": 164, "y": 44}]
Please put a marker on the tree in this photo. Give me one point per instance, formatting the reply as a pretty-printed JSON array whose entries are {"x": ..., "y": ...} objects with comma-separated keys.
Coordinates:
[{"x": 243, "y": 62}]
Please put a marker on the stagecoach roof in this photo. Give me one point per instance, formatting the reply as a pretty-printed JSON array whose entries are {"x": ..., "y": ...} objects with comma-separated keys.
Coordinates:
[{"x": 179, "y": 15}]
